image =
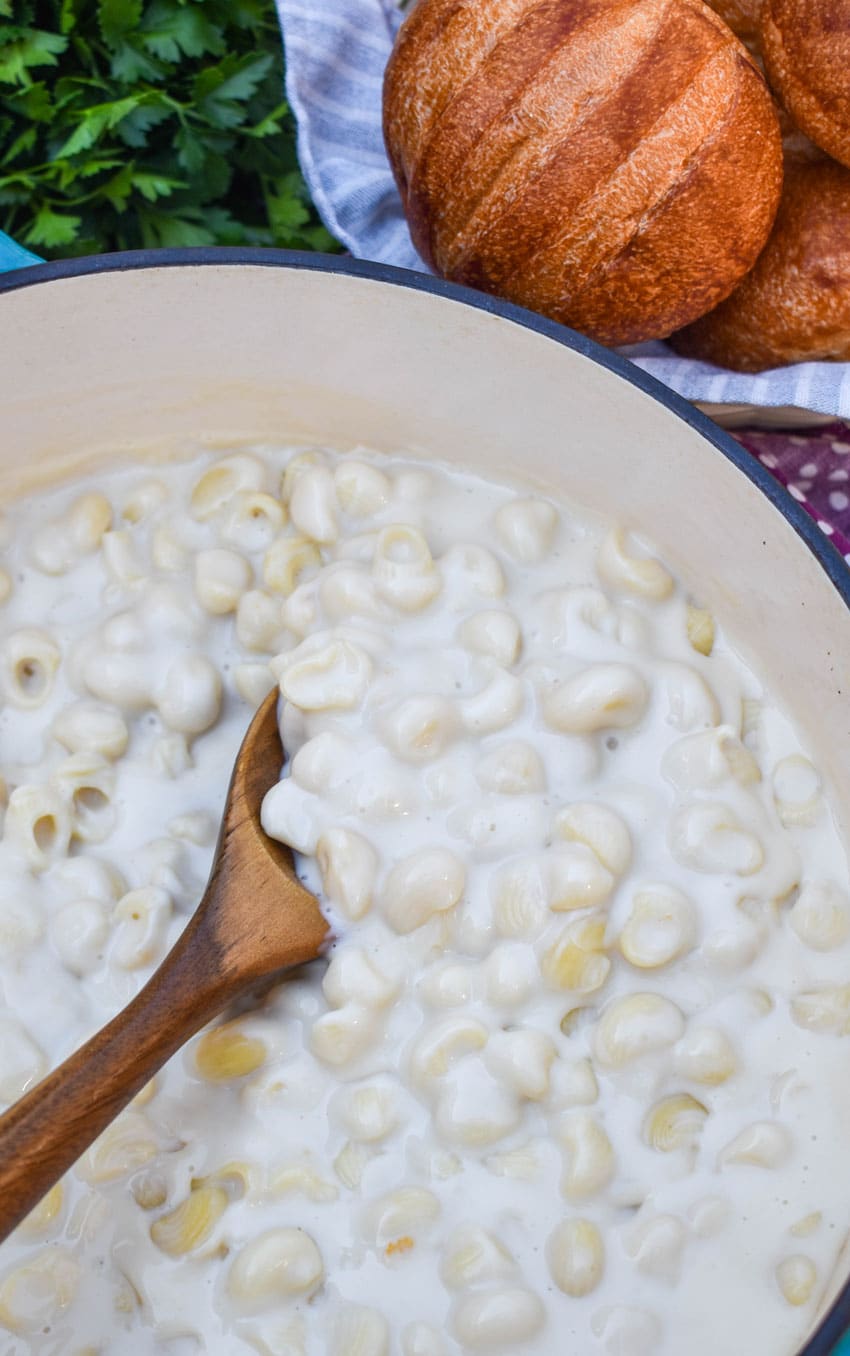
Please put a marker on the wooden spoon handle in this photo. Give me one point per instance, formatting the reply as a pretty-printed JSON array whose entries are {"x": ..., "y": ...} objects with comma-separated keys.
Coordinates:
[
  {"x": 44, "y": 1133},
  {"x": 254, "y": 922}
]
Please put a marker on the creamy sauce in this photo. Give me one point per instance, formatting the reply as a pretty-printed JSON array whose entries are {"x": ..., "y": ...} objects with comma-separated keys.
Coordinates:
[{"x": 573, "y": 1077}]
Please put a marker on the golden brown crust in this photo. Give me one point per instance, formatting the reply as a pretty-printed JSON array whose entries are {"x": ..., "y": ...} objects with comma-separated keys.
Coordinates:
[
  {"x": 806, "y": 46},
  {"x": 615, "y": 164},
  {"x": 486, "y": 125},
  {"x": 795, "y": 304},
  {"x": 438, "y": 49},
  {"x": 586, "y": 163},
  {"x": 691, "y": 213}
]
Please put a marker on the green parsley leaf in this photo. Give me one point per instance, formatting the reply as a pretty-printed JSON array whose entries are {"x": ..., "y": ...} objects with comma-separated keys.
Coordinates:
[
  {"x": 117, "y": 18},
  {"x": 126, "y": 123},
  {"x": 33, "y": 104},
  {"x": 170, "y": 31},
  {"x": 51, "y": 229},
  {"x": 23, "y": 48},
  {"x": 25, "y": 142},
  {"x": 219, "y": 90}
]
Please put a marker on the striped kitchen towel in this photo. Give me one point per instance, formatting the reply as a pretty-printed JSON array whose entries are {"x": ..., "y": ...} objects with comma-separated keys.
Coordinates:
[{"x": 336, "y": 53}]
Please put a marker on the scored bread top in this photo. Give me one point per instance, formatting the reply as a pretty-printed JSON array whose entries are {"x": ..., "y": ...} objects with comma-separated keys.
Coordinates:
[{"x": 539, "y": 144}]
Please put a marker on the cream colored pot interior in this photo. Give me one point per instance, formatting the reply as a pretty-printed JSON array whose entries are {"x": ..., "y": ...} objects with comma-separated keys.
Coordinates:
[{"x": 147, "y": 362}]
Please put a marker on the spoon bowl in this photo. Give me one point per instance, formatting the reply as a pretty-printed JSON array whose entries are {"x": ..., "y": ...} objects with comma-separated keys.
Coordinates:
[{"x": 255, "y": 921}]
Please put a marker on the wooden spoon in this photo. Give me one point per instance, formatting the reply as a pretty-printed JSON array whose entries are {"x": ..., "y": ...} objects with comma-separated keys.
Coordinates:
[{"x": 254, "y": 921}]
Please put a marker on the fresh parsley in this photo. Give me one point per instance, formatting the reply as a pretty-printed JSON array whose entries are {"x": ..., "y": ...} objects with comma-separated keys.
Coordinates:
[{"x": 136, "y": 123}]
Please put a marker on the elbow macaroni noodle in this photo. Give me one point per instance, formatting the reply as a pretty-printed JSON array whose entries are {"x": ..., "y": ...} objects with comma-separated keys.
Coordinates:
[{"x": 574, "y": 1068}]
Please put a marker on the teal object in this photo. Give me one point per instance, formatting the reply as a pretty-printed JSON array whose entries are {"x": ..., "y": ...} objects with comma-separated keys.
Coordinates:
[
  {"x": 843, "y": 1348},
  {"x": 13, "y": 255}
]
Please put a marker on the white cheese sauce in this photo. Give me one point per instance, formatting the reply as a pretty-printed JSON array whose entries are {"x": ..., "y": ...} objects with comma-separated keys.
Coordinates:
[{"x": 572, "y": 1076}]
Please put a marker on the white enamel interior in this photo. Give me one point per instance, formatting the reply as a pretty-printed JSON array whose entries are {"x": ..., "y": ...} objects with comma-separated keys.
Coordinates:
[{"x": 143, "y": 362}]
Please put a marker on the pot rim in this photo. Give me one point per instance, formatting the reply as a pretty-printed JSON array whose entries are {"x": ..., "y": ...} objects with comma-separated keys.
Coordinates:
[
  {"x": 829, "y": 557},
  {"x": 836, "y": 1321}
]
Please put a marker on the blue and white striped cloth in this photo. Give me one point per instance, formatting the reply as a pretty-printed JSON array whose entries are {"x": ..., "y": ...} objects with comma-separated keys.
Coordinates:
[{"x": 336, "y": 52}]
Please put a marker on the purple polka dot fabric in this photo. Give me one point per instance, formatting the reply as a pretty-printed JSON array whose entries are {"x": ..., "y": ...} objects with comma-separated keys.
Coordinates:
[{"x": 815, "y": 468}]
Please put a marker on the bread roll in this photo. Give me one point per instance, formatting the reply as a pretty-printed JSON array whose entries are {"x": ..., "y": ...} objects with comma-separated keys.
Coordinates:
[
  {"x": 742, "y": 16},
  {"x": 806, "y": 49},
  {"x": 614, "y": 164},
  {"x": 795, "y": 304}
]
